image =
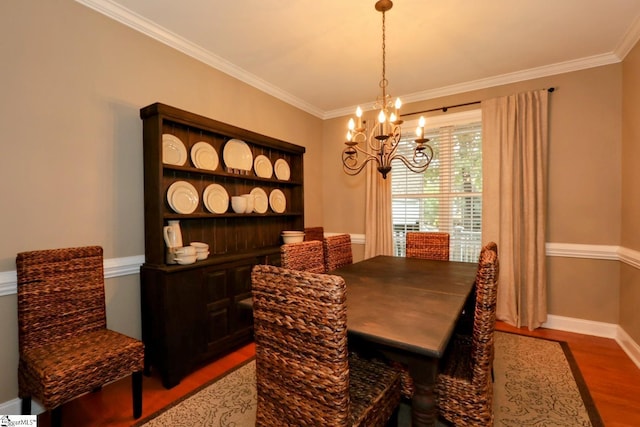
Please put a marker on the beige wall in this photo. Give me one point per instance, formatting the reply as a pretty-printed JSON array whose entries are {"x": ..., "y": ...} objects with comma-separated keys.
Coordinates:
[
  {"x": 584, "y": 182},
  {"x": 630, "y": 229},
  {"x": 73, "y": 82}
]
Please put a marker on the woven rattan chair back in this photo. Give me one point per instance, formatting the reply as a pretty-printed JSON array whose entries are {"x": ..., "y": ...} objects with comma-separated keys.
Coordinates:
[
  {"x": 427, "y": 245},
  {"x": 313, "y": 233},
  {"x": 65, "y": 347},
  {"x": 303, "y": 256},
  {"x": 464, "y": 388},
  {"x": 337, "y": 251},
  {"x": 304, "y": 374}
]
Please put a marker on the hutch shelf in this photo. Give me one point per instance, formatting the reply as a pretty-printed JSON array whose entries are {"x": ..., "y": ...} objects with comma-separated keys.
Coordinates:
[{"x": 189, "y": 312}]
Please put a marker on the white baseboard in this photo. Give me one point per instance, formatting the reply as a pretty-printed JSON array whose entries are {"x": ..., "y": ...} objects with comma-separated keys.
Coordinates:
[
  {"x": 629, "y": 346},
  {"x": 598, "y": 329},
  {"x": 581, "y": 326},
  {"x": 13, "y": 407}
]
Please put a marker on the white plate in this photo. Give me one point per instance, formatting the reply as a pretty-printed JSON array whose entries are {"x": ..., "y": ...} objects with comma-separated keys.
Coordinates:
[
  {"x": 261, "y": 202},
  {"x": 204, "y": 156},
  {"x": 173, "y": 150},
  {"x": 237, "y": 155},
  {"x": 282, "y": 170},
  {"x": 182, "y": 197},
  {"x": 263, "y": 167},
  {"x": 277, "y": 201},
  {"x": 216, "y": 198}
]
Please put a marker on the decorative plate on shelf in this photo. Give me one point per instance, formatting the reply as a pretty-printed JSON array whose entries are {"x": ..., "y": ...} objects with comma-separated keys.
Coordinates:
[
  {"x": 237, "y": 155},
  {"x": 278, "y": 201},
  {"x": 282, "y": 170},
  {"x": 204, "y": 156},
  {"x": 216, "y": 198},
  {"x": 262, "y": 166},
  {"x": 261, "y": 202},
  {"x": 173, "y": 150},
  {"x": 182, "y": 197}
]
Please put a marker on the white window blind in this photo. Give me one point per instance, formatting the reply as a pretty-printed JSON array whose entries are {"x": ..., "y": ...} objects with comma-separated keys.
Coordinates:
[{"x": 448, "y": 195}]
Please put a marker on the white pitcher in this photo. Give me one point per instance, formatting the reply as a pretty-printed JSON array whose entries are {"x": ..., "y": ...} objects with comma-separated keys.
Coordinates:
[{"x": 172, "y": 234}]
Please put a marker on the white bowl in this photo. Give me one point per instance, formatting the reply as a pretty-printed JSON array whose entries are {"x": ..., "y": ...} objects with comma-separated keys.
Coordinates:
[
  {"x": 239, "y": 204},
  {"x": 202, "y": 255},
  {"x": 200, "y": 246},
  {"x": 186, "y": 259},
  {"x": 291, "y": 232},
  {"x": 293, "y": 238},
  {"x": 250, "y": 202},
  {"x": 184, "y": 251}
]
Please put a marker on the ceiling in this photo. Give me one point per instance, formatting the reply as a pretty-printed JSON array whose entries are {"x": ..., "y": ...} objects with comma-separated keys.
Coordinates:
[{"x": 325, "y": 56}]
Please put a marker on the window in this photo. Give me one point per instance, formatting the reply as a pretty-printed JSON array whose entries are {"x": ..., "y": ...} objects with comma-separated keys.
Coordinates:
[{"x": 448, "y": 195}]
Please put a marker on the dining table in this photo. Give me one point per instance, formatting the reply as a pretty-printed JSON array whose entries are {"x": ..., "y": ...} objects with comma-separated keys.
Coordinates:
[{"x": 406, "y": 309}]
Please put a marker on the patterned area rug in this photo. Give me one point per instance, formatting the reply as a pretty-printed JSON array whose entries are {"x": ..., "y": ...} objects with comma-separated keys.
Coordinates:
[{"x": 537, "y": 383}]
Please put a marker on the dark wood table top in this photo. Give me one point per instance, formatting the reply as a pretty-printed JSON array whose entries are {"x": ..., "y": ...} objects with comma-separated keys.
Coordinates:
[{"x": 404, "y": 303}]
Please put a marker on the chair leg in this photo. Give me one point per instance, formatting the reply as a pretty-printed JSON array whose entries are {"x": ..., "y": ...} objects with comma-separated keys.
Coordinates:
[
  {"x": 26, "y": 406},
  {"x": 56, "y": 417},
  {"x": 136, "y": 391}
]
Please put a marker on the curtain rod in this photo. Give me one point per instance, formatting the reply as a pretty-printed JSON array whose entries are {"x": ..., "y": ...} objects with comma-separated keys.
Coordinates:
[{"x": 444, "y": 109}]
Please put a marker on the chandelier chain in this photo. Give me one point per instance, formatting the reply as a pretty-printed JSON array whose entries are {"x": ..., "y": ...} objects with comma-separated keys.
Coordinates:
[{"x": 383, "y": 82}]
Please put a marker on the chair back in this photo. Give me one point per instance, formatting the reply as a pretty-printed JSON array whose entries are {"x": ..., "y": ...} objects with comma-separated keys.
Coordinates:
[
  {"x": 303, "y": 256},
  {"x": 337, "y": 251},
  {"x": 427, "y": 245},
  {"x": 484, "y": 319},
  {"x": 314, "y": 233},
  {"x": 60, "y": 294},
  {"x": 300, "y": 329}
]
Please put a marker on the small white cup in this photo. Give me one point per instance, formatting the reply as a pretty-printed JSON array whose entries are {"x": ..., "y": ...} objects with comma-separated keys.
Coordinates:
[
  {"x": 239, "y": 204},
  {"x": 250, "y": 202}
]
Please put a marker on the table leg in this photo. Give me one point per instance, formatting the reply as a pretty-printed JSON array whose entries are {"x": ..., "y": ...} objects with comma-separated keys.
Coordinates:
[{"x": 423, "y": 403}]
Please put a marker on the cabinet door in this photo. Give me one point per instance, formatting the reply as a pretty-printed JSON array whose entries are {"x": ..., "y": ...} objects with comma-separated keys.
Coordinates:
[
  {"x": 242, "y": 325},
  {"x": 218, "y": 300}
]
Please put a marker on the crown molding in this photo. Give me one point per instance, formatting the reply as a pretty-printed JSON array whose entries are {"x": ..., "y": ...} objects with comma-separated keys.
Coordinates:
[
  {"x": 518, "y": 76},
  {"x": 141, "y": 24},
  {"x": 629, "y": 40}
]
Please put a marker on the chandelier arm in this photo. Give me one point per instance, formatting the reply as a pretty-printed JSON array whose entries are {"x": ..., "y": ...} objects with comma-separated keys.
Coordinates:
[
  {"x": 350, "y": 162},
  {"x": 417, "y": 168}
]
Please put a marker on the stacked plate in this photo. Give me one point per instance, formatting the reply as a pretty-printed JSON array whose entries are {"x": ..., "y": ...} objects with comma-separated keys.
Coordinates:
[
  {"x": 282, "y": 170},
  {"x": 277, "y": 201},
  {"x": 173, "y": 150},
  {"x": 204, "y": 156},
  {"x": 182, "y": 197},
  {"x": 215, "y": 198},
  {"x": 260, "y": 202},
  {"x": 262, "y": 166}
]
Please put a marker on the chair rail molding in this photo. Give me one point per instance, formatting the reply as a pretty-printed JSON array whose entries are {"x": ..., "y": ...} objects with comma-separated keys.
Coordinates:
[{"x": 113, "y": 267}]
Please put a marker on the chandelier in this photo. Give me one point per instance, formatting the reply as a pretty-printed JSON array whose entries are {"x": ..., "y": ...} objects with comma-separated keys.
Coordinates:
[{"x": 381, "y": 143}]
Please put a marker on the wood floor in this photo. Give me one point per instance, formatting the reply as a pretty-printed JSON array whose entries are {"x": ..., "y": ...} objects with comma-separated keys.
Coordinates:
[{"x": 613, "y": 381}]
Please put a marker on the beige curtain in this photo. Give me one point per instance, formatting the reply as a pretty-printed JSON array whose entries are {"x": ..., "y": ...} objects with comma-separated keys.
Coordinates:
[
  {"x": 378, "y": 221},
  {"x": 514, "y": 151}
]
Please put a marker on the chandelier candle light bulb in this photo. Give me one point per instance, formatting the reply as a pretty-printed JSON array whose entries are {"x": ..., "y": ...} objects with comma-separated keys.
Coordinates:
[{"x": 380, "y": 145}]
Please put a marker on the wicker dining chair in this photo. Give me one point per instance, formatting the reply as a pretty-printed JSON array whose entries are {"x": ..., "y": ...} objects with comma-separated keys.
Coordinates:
[
  {"x": 337, "y": 251},
  {"x": 304, "y": 373},
  {"x": 65, "y": 347},
  {"x": 427, "y": 245},
  {"x": 314, "y": 233},
  {"x": 464, "y": 388},
  {"x": 303, "y": 256}
]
